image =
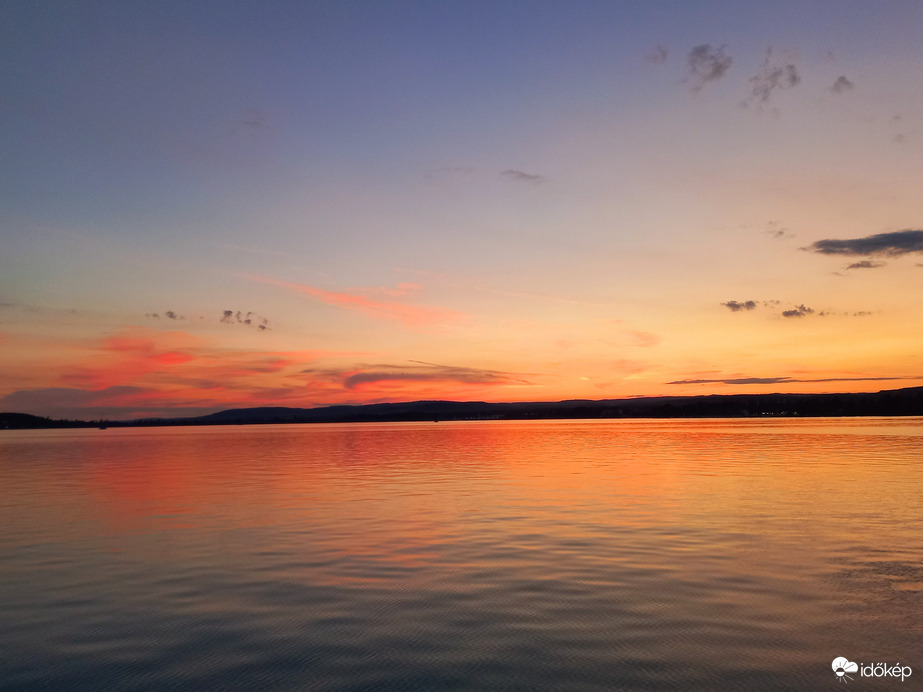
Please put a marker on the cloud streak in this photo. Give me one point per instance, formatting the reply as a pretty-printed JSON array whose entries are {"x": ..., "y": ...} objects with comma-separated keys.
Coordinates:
[
  {"x": 370, "y": 376},
  {"x": 409, "y": 315},
  {"x": 522, "y": 177},
  {"x": 866, "y": 264},
  {"x": 789, "y": 380},
  {"x": 892, "y": 244}
]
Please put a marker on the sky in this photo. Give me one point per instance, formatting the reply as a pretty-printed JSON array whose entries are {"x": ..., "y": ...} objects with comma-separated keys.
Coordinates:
[{"x": 209, "y": 205}]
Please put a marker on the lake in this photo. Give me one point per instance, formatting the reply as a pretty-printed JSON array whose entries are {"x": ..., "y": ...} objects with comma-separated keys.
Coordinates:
[{"x": 741, "y": 554}]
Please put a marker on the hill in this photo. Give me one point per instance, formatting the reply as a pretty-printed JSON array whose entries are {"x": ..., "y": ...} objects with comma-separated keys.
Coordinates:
[{"x": 894, "y": 402}]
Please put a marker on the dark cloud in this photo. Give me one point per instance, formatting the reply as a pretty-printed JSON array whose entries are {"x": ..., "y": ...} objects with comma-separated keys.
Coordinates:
[
  {"x": 418, "y": 371},
  {"x": 841, "y": 85},
  {"x": 886, "y": 244},
  {"x": 735, "y": 306},
  {"x": 866, "y": 264},
  {"x": 658, "y": 55},
  {"x": 521, "y": 176},
  {"x": 707, "y": 64},
  {"x": 789, "y": 380},
  {"x": 769, "y": 78},
  {"x": 434, "y": 372},
  {"x": 169, "y": 314},
  {"x": 248, "y": 319},
  {"x": 797, "y": 311},
  {"x": 739, "y": 380}
]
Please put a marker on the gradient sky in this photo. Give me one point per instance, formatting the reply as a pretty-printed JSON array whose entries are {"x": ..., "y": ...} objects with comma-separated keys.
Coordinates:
[{"x": 206, "y": 205}]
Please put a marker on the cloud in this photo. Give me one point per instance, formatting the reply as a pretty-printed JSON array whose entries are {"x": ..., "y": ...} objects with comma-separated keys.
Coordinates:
[
  {"x": 428, "y": 372},
  {"x": 410, "y": 315},
  {"x": 735, "y": 306},
  {"x": 791, "y": 380},
  {"x": 866, "y": 264},
  {"x": 706, "y": 64},
  {"x": 886, "y": 244},
  {"x": 841, "y": 85},
  {"x": 389, "y": 376},
  {"x": 247, "y": 319},
  {"x": 169, "y": 314},
  {"x": 798, "y": 311},
  {"x": 659, "y": 55},
  {"x": 140, "y": 372},
  {"x": 522, "y": 177},
  {"x": 769, "y": 78},
  {"x": 776, "y": 230},
  {"x": 738, "y": 380}
]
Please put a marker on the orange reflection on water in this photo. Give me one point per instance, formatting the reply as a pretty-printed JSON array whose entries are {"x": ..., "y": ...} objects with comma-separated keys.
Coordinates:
[{"x": 385, "y": 499}]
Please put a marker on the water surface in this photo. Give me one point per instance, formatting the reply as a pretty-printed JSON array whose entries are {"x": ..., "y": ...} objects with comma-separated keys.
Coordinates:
[{"x": 546, "y": 555}]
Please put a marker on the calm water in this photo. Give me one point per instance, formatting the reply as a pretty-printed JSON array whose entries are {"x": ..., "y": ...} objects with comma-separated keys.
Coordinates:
[{"x": 551, "y": 555}]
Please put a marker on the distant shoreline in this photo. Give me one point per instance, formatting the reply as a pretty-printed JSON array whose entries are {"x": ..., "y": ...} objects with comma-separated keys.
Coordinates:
[{"x": 895, "y": 402}]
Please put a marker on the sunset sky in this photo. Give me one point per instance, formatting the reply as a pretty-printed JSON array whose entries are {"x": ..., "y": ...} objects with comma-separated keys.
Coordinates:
[{"x": 209, "y": 205}]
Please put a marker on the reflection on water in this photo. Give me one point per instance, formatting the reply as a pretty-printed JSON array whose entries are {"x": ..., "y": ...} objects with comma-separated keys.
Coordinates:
[{"x": 548, "y": 555}]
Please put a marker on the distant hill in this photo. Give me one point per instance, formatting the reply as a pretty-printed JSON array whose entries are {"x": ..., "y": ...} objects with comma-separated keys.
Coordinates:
[
  {"x": 898, "y": 402},
  {"x": 893, "y": 402},
  {"x": 25, "y": 421}
]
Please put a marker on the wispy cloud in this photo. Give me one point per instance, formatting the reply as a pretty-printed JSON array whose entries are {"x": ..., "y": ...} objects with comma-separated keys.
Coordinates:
[
  {"x": 791, "y": 380},
  {"x": 521, "y": 176},
  {"x": 866, "y": 264},
  {"x": 366, "y": 376},
  {"x": 430, "y": 372},
  {"x": 886, "y": 244},
  {"x": 706, "y": 64},
  {"x": 410, "y": 315},
  {"x": 769, "y": 78},
  {"x": 777, "y": 230},
  {"x": 140, "y": 371}
]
